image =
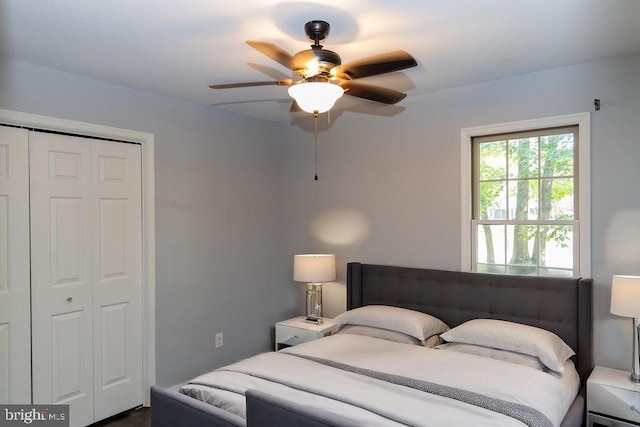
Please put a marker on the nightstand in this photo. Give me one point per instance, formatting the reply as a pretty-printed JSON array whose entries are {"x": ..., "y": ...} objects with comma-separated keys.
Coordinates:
[
  {"x": 297, "y": 330},
  {"x": 612, "y": 398}
]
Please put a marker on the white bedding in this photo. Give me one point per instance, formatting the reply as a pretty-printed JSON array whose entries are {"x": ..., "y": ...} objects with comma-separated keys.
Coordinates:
[{"x": 373, "y": 402}]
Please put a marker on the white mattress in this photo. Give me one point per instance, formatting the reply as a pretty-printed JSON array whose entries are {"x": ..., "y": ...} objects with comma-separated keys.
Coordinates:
[{"x": 373, "y": 402}]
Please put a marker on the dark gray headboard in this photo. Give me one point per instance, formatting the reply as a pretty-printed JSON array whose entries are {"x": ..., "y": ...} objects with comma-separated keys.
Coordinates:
[{"x": 560, "y": 305}]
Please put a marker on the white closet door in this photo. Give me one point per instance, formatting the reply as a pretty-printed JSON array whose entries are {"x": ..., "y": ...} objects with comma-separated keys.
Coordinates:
[
  {"x": 61, "y": 295},
  {"x": 15, "y": 321},
  {"x": 86, "y": 233},
  {"x": 117, "y": 277}
]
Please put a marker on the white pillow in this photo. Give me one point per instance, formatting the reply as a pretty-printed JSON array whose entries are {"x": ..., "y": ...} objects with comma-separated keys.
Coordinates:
[
  {"x": 494, "y": 353},
  {"x": 543, "y": 344},
  {"x": 388, "y": 335},
  {"x": 384, "y": 334},
  {"x": 410, "y": 322}
]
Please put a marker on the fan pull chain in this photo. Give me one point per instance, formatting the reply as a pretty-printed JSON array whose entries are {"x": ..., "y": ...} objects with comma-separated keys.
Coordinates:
[{"x": 315, "y": 141}]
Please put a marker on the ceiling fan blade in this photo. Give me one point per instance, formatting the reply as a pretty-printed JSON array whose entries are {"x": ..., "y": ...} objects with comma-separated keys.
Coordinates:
[
  {"x": 372, "y": 93},
  {"x": 287, "y": 82},
  {"x": 274, "y": 52},
  {"x": 378, "y": 64},
  {"x": 270, "y": 72}
]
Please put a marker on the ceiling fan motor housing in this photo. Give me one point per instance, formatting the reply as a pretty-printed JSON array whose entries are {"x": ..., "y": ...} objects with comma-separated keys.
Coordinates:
[{"x": 315, "y": 61}]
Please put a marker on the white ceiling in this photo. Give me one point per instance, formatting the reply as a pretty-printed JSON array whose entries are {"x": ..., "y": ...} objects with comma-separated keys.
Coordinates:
[{"x": 179, "y": 47}]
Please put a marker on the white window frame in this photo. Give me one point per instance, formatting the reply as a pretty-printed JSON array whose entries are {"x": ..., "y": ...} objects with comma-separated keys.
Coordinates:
[{"x": 584, "y": 184}]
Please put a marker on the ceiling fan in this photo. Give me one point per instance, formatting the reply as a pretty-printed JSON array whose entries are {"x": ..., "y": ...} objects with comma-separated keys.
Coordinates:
[{"x": 322, "y": 77}]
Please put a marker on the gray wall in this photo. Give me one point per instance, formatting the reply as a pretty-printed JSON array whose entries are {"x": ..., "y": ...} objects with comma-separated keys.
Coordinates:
[
  {"x": 389, "y": 188},
  {"x": 236, "y": 199},
  {"x": 216, "y": 212}
]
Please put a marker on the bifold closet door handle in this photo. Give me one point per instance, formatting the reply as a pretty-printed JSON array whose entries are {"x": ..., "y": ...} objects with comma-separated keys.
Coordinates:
[{"x": 69, "y": 299}]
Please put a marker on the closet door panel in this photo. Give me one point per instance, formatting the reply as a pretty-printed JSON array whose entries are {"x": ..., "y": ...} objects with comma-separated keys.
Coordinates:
[
  {"x": 117, "y": 277},
  {"x": 66, "y": 357},
  {"x": 15, "y": 322},
  {"x": 62, "y": 310}
]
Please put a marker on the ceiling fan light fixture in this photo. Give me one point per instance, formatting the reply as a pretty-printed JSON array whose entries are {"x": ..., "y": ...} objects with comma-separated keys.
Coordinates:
[{"x": 316, "y": 97}]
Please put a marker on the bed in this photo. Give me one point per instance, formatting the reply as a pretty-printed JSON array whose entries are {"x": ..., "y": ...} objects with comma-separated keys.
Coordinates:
[{"x": 275, "y": 395}]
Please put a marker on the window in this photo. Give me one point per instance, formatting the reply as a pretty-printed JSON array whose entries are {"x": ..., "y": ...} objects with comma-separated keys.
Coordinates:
[{"x": 528, "y": 212}]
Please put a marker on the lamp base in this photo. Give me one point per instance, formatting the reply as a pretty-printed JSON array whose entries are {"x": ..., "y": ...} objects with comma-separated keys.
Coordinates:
[
  {"x": 635, "y": 357},
  {"x": 314, "y": 302},
  {"x": 314, "y": 320}
]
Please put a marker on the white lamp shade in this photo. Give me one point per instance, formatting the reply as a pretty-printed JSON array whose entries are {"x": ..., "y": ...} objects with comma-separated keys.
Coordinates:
[
  {"x": 625, "y": 296},
  {"x": 314, "y": 268},
  {"x": 315, "y": 96}
]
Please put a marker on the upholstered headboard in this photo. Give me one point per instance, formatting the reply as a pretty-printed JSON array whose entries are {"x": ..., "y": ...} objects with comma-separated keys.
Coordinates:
[{"x": 560, "y": 305}]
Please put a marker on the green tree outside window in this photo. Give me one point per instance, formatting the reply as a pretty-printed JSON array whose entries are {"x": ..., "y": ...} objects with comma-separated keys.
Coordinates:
[{"x": 524, "y": 202}]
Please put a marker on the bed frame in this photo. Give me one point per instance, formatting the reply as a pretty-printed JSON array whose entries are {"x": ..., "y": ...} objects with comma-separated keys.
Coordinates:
[{"x": 560, "y": 305}]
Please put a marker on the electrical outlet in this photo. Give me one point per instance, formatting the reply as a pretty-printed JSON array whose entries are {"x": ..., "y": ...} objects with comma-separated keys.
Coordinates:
[{"x": 219, "y": 340}]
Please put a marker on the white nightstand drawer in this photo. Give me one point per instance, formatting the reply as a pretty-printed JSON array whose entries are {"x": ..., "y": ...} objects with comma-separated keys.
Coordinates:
[
  {"x": 614, "y": 401},
  {"x": 298, "y": 330},
  {"x": 290, "y": 335},
  {"x": 610, "y": 392}
]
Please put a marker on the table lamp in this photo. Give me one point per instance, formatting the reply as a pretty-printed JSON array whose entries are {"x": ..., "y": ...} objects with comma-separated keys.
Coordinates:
[
  {"x": 625, "y": 301},
  {"x": 314, "y": 269}
]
